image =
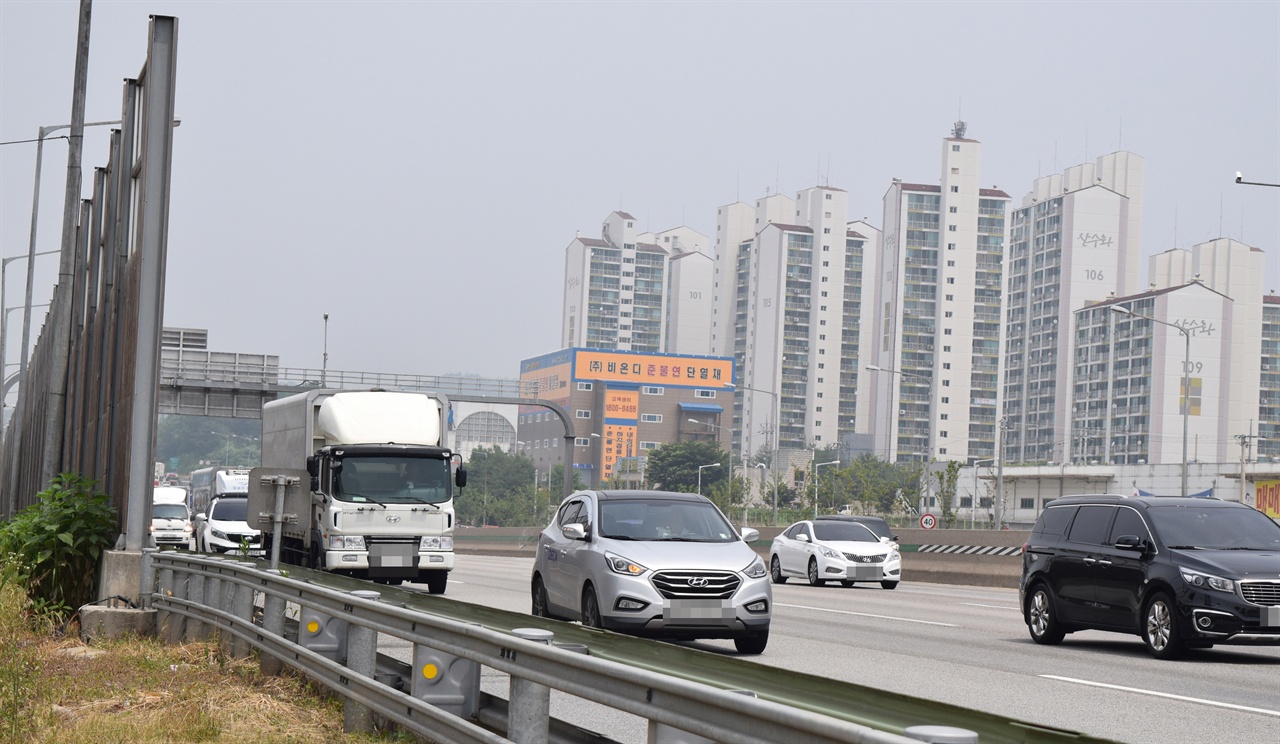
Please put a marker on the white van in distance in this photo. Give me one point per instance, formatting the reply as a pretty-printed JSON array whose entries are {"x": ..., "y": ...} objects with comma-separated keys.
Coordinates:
[{"x": 170, "y": 517}]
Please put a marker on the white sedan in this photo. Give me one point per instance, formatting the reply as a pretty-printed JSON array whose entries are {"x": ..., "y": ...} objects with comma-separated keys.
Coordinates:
[{"x": 822, "y": 551}]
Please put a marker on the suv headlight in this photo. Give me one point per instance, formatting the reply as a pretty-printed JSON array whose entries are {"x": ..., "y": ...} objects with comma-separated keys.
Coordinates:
[
  {"x": 437, "y": 543},
  {"x": 1203, "y": 581},
  {"x": 218, "y": 533},
  {"x": 346, "y": 542},
  {"x": 621, "y": 565},
  {"x": 829, "y": 553},
  {"x": 756, "y": 569}
]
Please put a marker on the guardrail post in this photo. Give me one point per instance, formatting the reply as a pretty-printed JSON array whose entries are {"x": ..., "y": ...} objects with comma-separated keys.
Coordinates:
[
  {"x": 661, "y": 733},
  {"x": 242, "y": 607},
  {"x": 529, "y": 703},
  {"x": 194, "y": 629},
  {"x": 226, "y": 600},
  {"x": 165, "y": 588},
  {"x": 272, "y": 622},
  {"x": 147, "y": 580},
  {"x": 177, "y": 590},
  {"x": 362, "y": 659},
  {"x": 212, "y": 595},
  {"x": 941, "y": 734}
]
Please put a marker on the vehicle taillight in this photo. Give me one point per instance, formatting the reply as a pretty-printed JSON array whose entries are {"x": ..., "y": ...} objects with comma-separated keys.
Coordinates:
[{"x": 1024, "y": 547}]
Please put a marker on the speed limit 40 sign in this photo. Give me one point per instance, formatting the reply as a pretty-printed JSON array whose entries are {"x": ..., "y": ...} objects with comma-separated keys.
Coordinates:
[{"x": 928, "y": 521}]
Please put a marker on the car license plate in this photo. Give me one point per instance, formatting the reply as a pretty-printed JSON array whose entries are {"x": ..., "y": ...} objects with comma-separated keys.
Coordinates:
[
  {"x": 1270, "y": 617},
  {"x": 696, "y": 611},
  {"x": 392, "y": 555},
  {"x": 864, "y": 573}
]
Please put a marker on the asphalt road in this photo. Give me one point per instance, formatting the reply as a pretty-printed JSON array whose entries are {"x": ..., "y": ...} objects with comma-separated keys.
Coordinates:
[{"x": 966, "y": 646}]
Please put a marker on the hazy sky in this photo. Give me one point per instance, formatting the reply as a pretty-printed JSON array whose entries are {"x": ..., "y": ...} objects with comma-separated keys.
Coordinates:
[{"x": 416, "y": 169}]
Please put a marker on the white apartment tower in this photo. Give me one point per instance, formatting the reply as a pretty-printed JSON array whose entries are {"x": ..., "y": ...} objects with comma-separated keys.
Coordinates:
[
  {"x": 1074, "y": 241},
  {"x": 1130, "y": 373},
  {"x": 1235, "y": 270},
  {"x": 618, "y": 290},
  {"x": 787, "y": 297},
  {"x": 934, "y": 350}
]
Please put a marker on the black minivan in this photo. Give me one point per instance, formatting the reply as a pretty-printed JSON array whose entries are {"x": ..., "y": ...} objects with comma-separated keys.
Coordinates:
[{"x": 1180, "y": 572}]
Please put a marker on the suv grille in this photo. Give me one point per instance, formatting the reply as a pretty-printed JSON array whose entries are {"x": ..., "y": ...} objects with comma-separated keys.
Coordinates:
[
  {"x": 696, "y": 584},
  {"x": 877, "y": 558},
  {"x": 1261, "y": 592}
]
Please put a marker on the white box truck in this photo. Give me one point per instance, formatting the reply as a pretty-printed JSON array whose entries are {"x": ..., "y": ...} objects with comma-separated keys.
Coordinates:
[{"x": 381, "y": 483}]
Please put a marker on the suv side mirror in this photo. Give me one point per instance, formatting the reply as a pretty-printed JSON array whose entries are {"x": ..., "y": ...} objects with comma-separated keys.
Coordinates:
[
  {"x": 750, "y": 534},
  {"x": 575, "y": 532},
  {"x": 802, "y": 537},
  {"x": 895, "y": 538},
  {"x": 1131, "y": 542}
]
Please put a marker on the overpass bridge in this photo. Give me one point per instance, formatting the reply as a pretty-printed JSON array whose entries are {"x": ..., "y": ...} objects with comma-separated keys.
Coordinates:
[{"x": 233, "y": 385}]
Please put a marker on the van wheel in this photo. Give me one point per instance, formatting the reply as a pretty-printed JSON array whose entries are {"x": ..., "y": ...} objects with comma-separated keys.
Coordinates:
[
  {"x": 1042, "y": 618},
  {"x": 1160, "y": 628},
  {"x": 752, "y": 643},
  {"x": 813, "y": 573},
  {"x": 775, "y": 571}
]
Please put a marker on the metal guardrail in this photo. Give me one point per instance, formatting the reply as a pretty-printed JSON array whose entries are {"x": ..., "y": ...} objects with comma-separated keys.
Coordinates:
[
  {"x": 678, "y": 689},
  {"x": 220, "y": 594}
]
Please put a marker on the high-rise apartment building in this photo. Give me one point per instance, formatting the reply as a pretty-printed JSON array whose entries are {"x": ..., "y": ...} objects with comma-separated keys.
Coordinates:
[
  {"x": 1130, "y": 377},
  {"x": 1235, "y": 270},
  {"x": 933, "y": 303},
  {"x": 1074, "y": 241},
  {"x": 787, "y": 300},
  {"x": 618, "y": 290}
]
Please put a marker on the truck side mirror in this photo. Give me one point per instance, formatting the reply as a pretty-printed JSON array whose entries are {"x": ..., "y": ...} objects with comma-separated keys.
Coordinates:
[
  {"x": 460, "y": 477},
  {"x": 313, "y": 468}
]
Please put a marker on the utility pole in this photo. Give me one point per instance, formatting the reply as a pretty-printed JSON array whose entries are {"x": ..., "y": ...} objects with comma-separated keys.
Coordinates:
[
  {"x": 999, "y": 502},
  {"x": 1245, "y": 441}
]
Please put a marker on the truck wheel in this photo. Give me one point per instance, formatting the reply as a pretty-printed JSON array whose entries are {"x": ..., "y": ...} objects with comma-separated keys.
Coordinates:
[{"x": 436, "y": 581}]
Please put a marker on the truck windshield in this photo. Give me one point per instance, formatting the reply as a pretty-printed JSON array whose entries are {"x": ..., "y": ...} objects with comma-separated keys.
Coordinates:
[{"x": 393, "y": 480}]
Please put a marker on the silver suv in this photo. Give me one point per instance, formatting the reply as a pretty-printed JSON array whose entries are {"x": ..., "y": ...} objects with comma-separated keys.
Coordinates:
[{"x": 653, "y": 563}]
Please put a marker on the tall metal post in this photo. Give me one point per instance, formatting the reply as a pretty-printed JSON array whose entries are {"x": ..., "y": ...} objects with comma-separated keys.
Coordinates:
[{"x": 324, "y": 363}]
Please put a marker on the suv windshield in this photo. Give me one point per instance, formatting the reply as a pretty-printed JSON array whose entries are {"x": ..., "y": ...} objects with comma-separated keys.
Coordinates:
[
  {"x": 392, "y": 479},
  {"x": 1215, "y": 528},
  {"x": 661, "y": 519},
  {"x": 230, "y": 510},
  {"x": 843, "y": 532}
]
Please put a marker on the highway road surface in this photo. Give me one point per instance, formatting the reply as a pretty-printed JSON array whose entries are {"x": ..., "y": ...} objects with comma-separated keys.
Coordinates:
[{"x": 962, "y": 645}]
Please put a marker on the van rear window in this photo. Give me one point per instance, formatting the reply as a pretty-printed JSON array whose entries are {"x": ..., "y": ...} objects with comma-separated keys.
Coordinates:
[{"x": 1054, "y": 520}]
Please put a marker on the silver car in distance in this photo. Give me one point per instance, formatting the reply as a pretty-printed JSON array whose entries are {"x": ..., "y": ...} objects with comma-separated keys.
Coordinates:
[{"x": 653, "y": 563}]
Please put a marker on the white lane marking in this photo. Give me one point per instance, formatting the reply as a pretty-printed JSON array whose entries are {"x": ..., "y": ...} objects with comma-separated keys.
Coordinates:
[
  {"x": 1171, "y": 696},
  {"x": 994, "y": 607},
  {"x": 864, "y": 614}
]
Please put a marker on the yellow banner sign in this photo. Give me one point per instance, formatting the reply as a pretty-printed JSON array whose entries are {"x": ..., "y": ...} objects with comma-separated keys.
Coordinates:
[
  {"x": 1268, "y": 498},
  {"x": 653, "y": 369}
]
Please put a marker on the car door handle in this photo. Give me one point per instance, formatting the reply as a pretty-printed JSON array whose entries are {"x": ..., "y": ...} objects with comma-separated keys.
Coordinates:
[
  {"x": 1090, "y": 561},
  {"x": 1104, "y": 562}
]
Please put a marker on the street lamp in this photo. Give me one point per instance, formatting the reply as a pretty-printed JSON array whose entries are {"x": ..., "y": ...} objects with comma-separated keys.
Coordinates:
[
  {"x": 4, "y": 335},
  {"x": 973, "y": 505},
  {"x": 929, "y": 385},
  {"x": 324, "y": 362},
  {"x": 700, "y": 467},
  {"x": 1186, "y": 383},
  {"x": 815, "y": 484},
  {"x": 777, "y": 420},
  {"x": 4, "y": 323},
  {"x": 226, "y": 450}
]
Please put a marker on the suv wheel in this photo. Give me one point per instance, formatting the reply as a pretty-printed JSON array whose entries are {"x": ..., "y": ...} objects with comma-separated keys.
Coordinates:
[
  {"x": 1160, "y": 628},
  {"x": 1042, "y": 618},
  {"x": 752, "y": 643},
  {"x": 775, "y": 571},
  {"x": 888, "y": 585},
  {"x": 591, "y": 609},
  {"x": 539, "y": 599},
  {"x": 813, "y": 573}
]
